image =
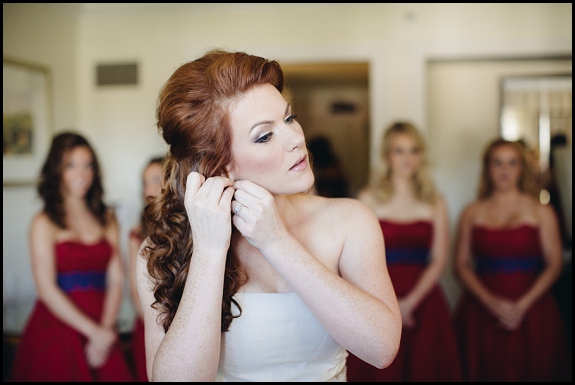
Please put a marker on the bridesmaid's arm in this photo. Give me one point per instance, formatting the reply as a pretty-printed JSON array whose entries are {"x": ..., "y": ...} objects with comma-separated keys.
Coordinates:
[
  {"x": 552, "y": 255},
  {"x": 114, "y": 276},
  {"x": 100, "y": 343},
  {"x": 432, "y": 273},
  {"x": 464, "y": 263},
  {"x": 134, "y": 247}
]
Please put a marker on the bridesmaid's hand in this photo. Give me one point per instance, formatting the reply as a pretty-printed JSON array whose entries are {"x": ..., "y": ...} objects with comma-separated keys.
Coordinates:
[
  {"x": 513, "y": 318},
  {"x": 99, "y": 346},
  {"x": 507, "y": 313},
  {"x": 406, "y": 310},
  {"x": 95, "y": 356}
]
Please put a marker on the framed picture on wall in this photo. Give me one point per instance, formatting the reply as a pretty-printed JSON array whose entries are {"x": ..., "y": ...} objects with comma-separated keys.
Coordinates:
[{"x": 26, "y": 121}]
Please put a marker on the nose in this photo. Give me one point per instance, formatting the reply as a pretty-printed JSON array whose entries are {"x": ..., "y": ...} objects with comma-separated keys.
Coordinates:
[
  {"x": 84, "y": 172},
  {"x": 296, "y": 138}
]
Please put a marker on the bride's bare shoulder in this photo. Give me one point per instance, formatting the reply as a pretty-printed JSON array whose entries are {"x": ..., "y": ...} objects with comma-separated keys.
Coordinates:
[{"x": 348, "y": 210}]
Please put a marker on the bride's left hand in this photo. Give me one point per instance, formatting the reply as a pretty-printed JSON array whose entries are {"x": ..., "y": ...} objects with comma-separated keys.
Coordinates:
[{"x": 255, "y": 214}]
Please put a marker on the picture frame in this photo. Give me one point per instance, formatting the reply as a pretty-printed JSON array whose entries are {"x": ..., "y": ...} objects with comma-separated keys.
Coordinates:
[{"x": 26, "y": 113}]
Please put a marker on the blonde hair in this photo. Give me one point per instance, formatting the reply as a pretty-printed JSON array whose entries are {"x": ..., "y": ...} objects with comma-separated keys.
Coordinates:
[{"x": 423, "y": 185}]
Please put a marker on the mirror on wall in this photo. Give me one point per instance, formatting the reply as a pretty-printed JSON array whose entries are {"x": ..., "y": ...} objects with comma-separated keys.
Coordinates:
[{"x": 537, "y": 111}]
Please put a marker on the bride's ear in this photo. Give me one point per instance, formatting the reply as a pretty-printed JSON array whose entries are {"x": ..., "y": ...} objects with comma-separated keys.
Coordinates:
[{"x": 231, "y": 172}]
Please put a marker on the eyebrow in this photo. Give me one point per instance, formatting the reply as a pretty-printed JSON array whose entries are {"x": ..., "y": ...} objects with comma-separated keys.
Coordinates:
[{"x": 268, "y": 121}]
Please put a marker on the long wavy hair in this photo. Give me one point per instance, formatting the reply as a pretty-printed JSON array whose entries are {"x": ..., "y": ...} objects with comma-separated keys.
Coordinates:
[
  {"x": 526, "y": 181},
  {"x": 193, "y": 118},
  {"x": 50, "y": 180},
  {"x": 381, "y": 182}
]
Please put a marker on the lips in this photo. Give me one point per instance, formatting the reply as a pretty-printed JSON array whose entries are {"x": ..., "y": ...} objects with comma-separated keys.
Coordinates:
[{"x": 301, "y": 164}]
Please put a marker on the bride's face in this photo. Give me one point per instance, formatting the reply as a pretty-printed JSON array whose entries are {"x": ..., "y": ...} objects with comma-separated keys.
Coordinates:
[{"x": 268, "y": 144}]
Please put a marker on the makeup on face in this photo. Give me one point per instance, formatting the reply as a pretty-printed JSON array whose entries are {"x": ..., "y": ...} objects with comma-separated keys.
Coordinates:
[{"x": 268, "y": 144}]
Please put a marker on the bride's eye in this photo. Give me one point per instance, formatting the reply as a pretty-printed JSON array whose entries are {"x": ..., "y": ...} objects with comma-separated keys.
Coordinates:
[
  {"x": 290, "y": 119},
  {"x": 265, "y": 138}
]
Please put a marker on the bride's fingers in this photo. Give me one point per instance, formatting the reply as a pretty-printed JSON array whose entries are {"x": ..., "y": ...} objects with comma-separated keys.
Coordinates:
[
  {"x": 227, "y": 196},
  {"x": 237, "y": 207},
  {"x": 251, "y": 188},
  {"x": 212, "y": 189},
  {"x": 193, "y": 183},
  {"x": 215, "y": 186},
  {"x": 253, "y": 197}
]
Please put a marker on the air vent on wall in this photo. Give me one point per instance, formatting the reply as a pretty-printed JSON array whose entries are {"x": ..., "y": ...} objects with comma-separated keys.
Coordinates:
[
  {"x": 343, "y": 108},
  {"x": 116, "y": 74}
]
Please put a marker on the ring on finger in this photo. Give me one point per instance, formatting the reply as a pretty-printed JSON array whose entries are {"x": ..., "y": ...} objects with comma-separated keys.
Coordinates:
[{"x": 241, "y": 206}]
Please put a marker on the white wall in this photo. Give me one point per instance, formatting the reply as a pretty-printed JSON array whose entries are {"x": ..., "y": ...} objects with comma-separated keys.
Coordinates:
[
  {"x": 396, "y": 39},
  {"x": 35, "y": 34}
]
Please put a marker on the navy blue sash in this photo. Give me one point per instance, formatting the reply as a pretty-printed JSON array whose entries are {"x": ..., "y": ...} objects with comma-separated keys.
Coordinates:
[
  {"x": 411, "y": 256},
  {"x": 82, "y": 281}
]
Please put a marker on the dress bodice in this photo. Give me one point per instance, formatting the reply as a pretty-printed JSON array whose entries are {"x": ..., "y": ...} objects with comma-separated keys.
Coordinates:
[
  {"x": 82, "y": 266},
  {"x": 277, "y": 338},
  {"x": 509, "y": 250},
  {"x": 407, "y": 242}
]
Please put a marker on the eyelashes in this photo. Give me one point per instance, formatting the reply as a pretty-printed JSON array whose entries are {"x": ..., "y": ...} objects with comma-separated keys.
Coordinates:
[
  {"x": 290, "y": 118},
  {"x": 267, "y": 137},
  {"x": 264, "y": 138}
]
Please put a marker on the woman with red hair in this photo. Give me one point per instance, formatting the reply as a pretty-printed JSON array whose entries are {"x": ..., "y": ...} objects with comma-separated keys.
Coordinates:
[
  {"x": 245, "y": 275},
  {"x": 508, "y": 255}
]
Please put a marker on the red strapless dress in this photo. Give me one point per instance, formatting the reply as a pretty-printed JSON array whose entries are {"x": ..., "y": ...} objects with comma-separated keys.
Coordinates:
[
  {"x": 52, "y": 351},
  {"x": 429, "y": 351},
  {"x": 138, "y": 343},
  {"x": 508, "y": 261}
]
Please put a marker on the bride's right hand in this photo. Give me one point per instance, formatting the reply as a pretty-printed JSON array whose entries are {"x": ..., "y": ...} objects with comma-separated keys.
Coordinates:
[{"x": 208, "y": 203}]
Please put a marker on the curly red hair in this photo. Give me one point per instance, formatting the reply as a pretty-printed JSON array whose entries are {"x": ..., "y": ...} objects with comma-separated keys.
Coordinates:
[{"x": 193, "y": 118}]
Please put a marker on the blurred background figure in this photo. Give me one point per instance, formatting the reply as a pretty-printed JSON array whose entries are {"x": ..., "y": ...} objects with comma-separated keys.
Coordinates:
[
  {"x": 330, "y": 178},
  {"x": 71, "y": 334},
  {"x": 508, "y": 255},
  {"x": 551, "y": 184},
  {"x": 546, "y": 183},
  {"x": 414, "y": 221},
  {"x": 151, "y": 186},
  {"x": 560, "y": 187}
]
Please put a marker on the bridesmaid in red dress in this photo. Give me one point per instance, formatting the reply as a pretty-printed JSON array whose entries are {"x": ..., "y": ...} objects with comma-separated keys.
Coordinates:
[
  {"x": 71, "y": 334},
  {"x": 414, "y": 221},
  {"x": 509, "y": 254},
  {"x": 152, "y": 183}
]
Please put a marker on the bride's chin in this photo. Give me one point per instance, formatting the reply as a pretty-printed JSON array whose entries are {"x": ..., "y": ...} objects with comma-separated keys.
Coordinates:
[
  {"x": 311, "y": 184},
  {"x": 309, "y": 189},
  {"x": 301, "y": 186}
]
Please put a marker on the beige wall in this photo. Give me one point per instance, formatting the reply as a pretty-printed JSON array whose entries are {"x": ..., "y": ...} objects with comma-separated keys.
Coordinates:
[
  {"x": 463, "y": 116},
  {"x": 396, "y": 39}
]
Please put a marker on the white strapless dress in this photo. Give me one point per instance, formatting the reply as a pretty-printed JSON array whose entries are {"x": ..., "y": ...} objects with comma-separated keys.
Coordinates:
[{"x": 277, "y": 338}]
